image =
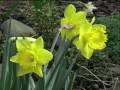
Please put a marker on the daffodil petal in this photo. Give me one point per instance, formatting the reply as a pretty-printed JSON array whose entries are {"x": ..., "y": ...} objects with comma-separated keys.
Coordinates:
[
  {"x": 87, "y": 51},
  {"x": 24, "y": 70},
  {"x": 22, "y": 44},
  {"x": 69, "y": 10},
  {"x": 44, "y": 56},
  {"x": 83, "y": 46},
  {"x": 22, "y": 57},
  {"x": 76, "y": 42},
  {"x": 15, "y": 59},
  {"x": 38, "y": 43},
  {"x": 80, "y": 15},
  {"x": 38, "y": 70}
]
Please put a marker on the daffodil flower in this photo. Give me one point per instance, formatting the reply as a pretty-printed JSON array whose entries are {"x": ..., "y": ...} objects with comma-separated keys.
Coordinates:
[
  {"x": 92, "y": 37},
  {"x": 71, "y": 22},
  {"x": 31, "y": 55}
]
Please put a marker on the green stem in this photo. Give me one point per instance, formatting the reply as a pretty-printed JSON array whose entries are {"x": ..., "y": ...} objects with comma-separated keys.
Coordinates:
[{"x": 55, "y": 41}]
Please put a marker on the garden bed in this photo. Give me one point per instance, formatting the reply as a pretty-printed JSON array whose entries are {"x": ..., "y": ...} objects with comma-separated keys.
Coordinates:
[{"x": 102, "y": 71}]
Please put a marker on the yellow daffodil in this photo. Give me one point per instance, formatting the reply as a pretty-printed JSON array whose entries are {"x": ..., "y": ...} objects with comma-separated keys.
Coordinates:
[
  {"x": 92, "y": 37},
  {"x": 31, "y": 55},
  {"x": 71, "y": 22}
]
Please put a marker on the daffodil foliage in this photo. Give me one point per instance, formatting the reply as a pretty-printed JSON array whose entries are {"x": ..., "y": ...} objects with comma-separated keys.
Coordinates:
[
  {"x": 91, "y": 36},
  {"x": 31, "y": 55}
]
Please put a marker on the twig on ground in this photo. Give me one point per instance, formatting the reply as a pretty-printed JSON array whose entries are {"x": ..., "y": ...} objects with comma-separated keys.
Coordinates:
[
  {"x": 116, "y": 81},
  {"x": 82, "y": 76},
  {"x": 95, "y": 75}
]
